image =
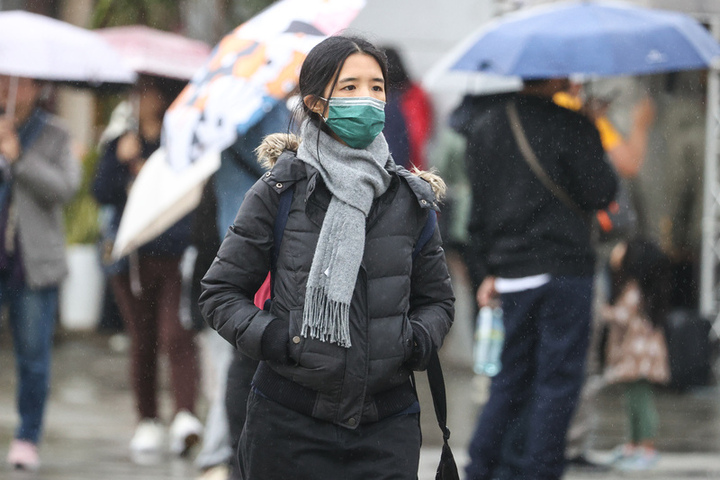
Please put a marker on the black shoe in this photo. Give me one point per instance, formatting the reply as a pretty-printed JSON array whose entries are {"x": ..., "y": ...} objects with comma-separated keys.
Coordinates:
[{"x": 582, "y": 463}]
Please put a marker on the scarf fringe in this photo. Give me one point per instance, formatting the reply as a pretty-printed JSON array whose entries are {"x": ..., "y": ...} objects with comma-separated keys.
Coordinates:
[{"x": 325, "y": 319}]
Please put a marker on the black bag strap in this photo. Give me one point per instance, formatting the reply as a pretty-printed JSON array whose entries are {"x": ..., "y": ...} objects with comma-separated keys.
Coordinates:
[
  {"x": 447, "y": 469},
  {"x": 532, "y": 161}
]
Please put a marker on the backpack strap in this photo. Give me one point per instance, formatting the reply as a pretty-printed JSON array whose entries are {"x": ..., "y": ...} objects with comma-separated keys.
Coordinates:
[
  {"x": 426, "y": 233},
  {"x": 447, "y": 468},
  {"x": 281, "y": 218}
]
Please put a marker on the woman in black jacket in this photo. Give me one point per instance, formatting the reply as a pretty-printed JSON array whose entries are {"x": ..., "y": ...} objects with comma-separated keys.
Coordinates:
[{"x": 353, "y": 311}]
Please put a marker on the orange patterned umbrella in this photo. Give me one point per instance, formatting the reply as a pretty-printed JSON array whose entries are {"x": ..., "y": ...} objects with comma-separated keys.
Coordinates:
[{"x": 249, "y": 71}]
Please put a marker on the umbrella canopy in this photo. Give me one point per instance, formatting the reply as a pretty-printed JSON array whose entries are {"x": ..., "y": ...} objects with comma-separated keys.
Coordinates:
[
  {"x": 587, "y": 38},
  {"x": 249, "y": 72},
  {"x": 40, "y": 47},
  {"x": 251, "y": 69},
  {"x": 155, "y": 52},
  {"x": 159, "y": 197}
]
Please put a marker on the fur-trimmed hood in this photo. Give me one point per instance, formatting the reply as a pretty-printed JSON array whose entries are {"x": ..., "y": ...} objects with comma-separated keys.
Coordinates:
[{"x": 275, "y": 144}]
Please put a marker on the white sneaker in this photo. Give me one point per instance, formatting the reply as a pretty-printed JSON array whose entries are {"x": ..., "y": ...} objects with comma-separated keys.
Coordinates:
[
  {"x": 218, "y": 472},
  {"x": 149, "y": 437},
  {"x": 185, "y": 432}
]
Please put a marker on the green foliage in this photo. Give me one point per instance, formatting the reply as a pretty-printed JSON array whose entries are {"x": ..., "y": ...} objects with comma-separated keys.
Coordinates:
[
  {"x": 81, "y": 214},
  {"x": 161, "y": 14}
]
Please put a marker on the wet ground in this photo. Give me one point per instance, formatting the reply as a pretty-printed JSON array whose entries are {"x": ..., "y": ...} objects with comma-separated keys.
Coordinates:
[{"x": 90, "y": 421}]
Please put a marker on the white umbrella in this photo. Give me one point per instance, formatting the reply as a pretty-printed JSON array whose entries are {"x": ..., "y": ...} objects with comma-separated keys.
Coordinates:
[
  {"x": 40, "y": 47},
  {"x": 160, "y": 188}
]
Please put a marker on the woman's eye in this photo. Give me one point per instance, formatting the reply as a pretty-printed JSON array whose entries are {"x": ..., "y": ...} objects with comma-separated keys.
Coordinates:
[
  {"x": 378, "y": 88},
  {"x": 349, "y": 87}
]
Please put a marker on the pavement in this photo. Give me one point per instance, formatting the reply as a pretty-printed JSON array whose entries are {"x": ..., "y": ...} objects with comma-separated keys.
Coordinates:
[{"x": 90, "y": 420}]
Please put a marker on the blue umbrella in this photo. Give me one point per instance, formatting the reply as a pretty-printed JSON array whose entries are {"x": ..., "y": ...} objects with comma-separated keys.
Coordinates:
[{"x": 587, "y": 38}]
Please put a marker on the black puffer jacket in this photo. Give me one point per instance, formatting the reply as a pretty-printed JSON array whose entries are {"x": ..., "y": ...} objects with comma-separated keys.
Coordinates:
[{"x": 393, "y": 296}]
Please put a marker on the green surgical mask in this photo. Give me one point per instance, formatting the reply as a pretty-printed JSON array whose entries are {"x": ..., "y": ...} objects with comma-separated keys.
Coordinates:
[{"x": 356, "y": 120}]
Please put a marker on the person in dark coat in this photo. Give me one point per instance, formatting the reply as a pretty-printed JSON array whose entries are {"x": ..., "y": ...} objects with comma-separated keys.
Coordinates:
[
  {"x": 147, "y": 285},
  {"x": 353, "y": 312},
  {"x": 532, "y": 249}
]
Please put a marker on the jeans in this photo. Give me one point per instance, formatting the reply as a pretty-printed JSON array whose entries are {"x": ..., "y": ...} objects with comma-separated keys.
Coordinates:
[
  {"x": 32, "y": 314},
  {"x": 533, "y": 397}
]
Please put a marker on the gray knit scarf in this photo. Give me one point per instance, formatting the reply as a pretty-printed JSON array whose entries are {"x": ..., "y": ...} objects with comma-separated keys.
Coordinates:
[{"x": 355, "y": 177}]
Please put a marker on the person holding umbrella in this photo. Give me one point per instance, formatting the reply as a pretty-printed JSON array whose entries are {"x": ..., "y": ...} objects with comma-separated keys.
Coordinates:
[
  {"x": 39, "y": 175},
  {"x": 147, "y": 283},
  {"x": 353, "y": 311},
  {"x": 537, "y": 172}
]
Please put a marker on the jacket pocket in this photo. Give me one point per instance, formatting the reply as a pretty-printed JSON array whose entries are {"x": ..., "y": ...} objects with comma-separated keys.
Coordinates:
[
  {"x": 297, "y": 342},
  {"x": 407, "y": 336}
]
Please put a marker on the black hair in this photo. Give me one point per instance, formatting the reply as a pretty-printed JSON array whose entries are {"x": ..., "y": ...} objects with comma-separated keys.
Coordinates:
[
  {"x": 168, "y": 88},
  {"x": 323, "y": 64},
  {"x": 398, "y": 78},
  {"x": 646, "y": 264}
]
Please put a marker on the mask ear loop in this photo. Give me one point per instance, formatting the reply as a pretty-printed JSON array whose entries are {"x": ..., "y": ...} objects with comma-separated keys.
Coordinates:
[{"x": 326, "y": 110}]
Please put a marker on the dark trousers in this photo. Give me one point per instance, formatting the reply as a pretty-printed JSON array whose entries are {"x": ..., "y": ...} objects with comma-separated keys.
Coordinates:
[
  {"x": 521, "y": 431},
  {"x": 239, "y": 380},
  {"x": 278, "y": 443},
  {"x": 153, "y": 322}
]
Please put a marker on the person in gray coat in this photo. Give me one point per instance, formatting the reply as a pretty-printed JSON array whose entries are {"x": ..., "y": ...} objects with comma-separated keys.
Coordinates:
[
  {"x": 353, "y": 311},
  {"x": 39, "y": 175}
]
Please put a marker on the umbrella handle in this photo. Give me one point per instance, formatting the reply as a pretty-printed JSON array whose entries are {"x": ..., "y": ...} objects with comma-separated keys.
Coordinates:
[{"x": 12, "y": 98}]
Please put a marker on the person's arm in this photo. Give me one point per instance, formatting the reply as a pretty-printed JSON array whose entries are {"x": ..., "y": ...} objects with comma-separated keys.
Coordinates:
[
  {"x": 626, "y": 308},
  {"x": 109, "y": 183},
  {"x": 431, "y": 301},
  {"x": 239, "y": 269},
  {"x": 590, "y": 179},
  {"x": 51, "y": 175},
  {"x": 628, "y": 155},
  {"x": 475, "y": 253}
]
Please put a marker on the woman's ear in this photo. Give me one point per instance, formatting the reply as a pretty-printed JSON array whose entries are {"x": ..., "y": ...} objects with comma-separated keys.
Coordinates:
[{"x": 315, "y": 104}]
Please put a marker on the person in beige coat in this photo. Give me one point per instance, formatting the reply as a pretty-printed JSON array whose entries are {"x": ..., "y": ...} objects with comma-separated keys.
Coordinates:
[{"x": 636, "y": 351}]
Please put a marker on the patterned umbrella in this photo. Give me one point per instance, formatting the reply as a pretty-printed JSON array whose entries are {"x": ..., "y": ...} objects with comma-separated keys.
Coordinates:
[{"x": 250, "y": 70}]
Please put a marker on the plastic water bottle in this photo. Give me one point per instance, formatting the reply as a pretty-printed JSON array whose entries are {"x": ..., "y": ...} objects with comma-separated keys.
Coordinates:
[{"x": 489, "y": 339}]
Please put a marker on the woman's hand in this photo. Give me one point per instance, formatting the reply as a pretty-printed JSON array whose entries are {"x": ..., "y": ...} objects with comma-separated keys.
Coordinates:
[
  {"x": 129, "y": 148},
  {"x": 486, "y": 294},
  {"x": 10, "y": 147}
]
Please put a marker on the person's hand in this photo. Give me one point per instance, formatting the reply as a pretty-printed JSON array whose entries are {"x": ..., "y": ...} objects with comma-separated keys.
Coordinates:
[
  {"x": 128, "y": 147},
  {"x": 644, "y": 113},
  {"x": 595, "y": 108},
  {"x": 10, "y": 147},
  {"x": 486, "y": 294},
  {"x": 274, "y": 341}
]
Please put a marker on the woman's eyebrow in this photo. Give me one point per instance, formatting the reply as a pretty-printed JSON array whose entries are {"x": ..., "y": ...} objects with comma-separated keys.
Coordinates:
[{"x": 355, "y": 79}]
